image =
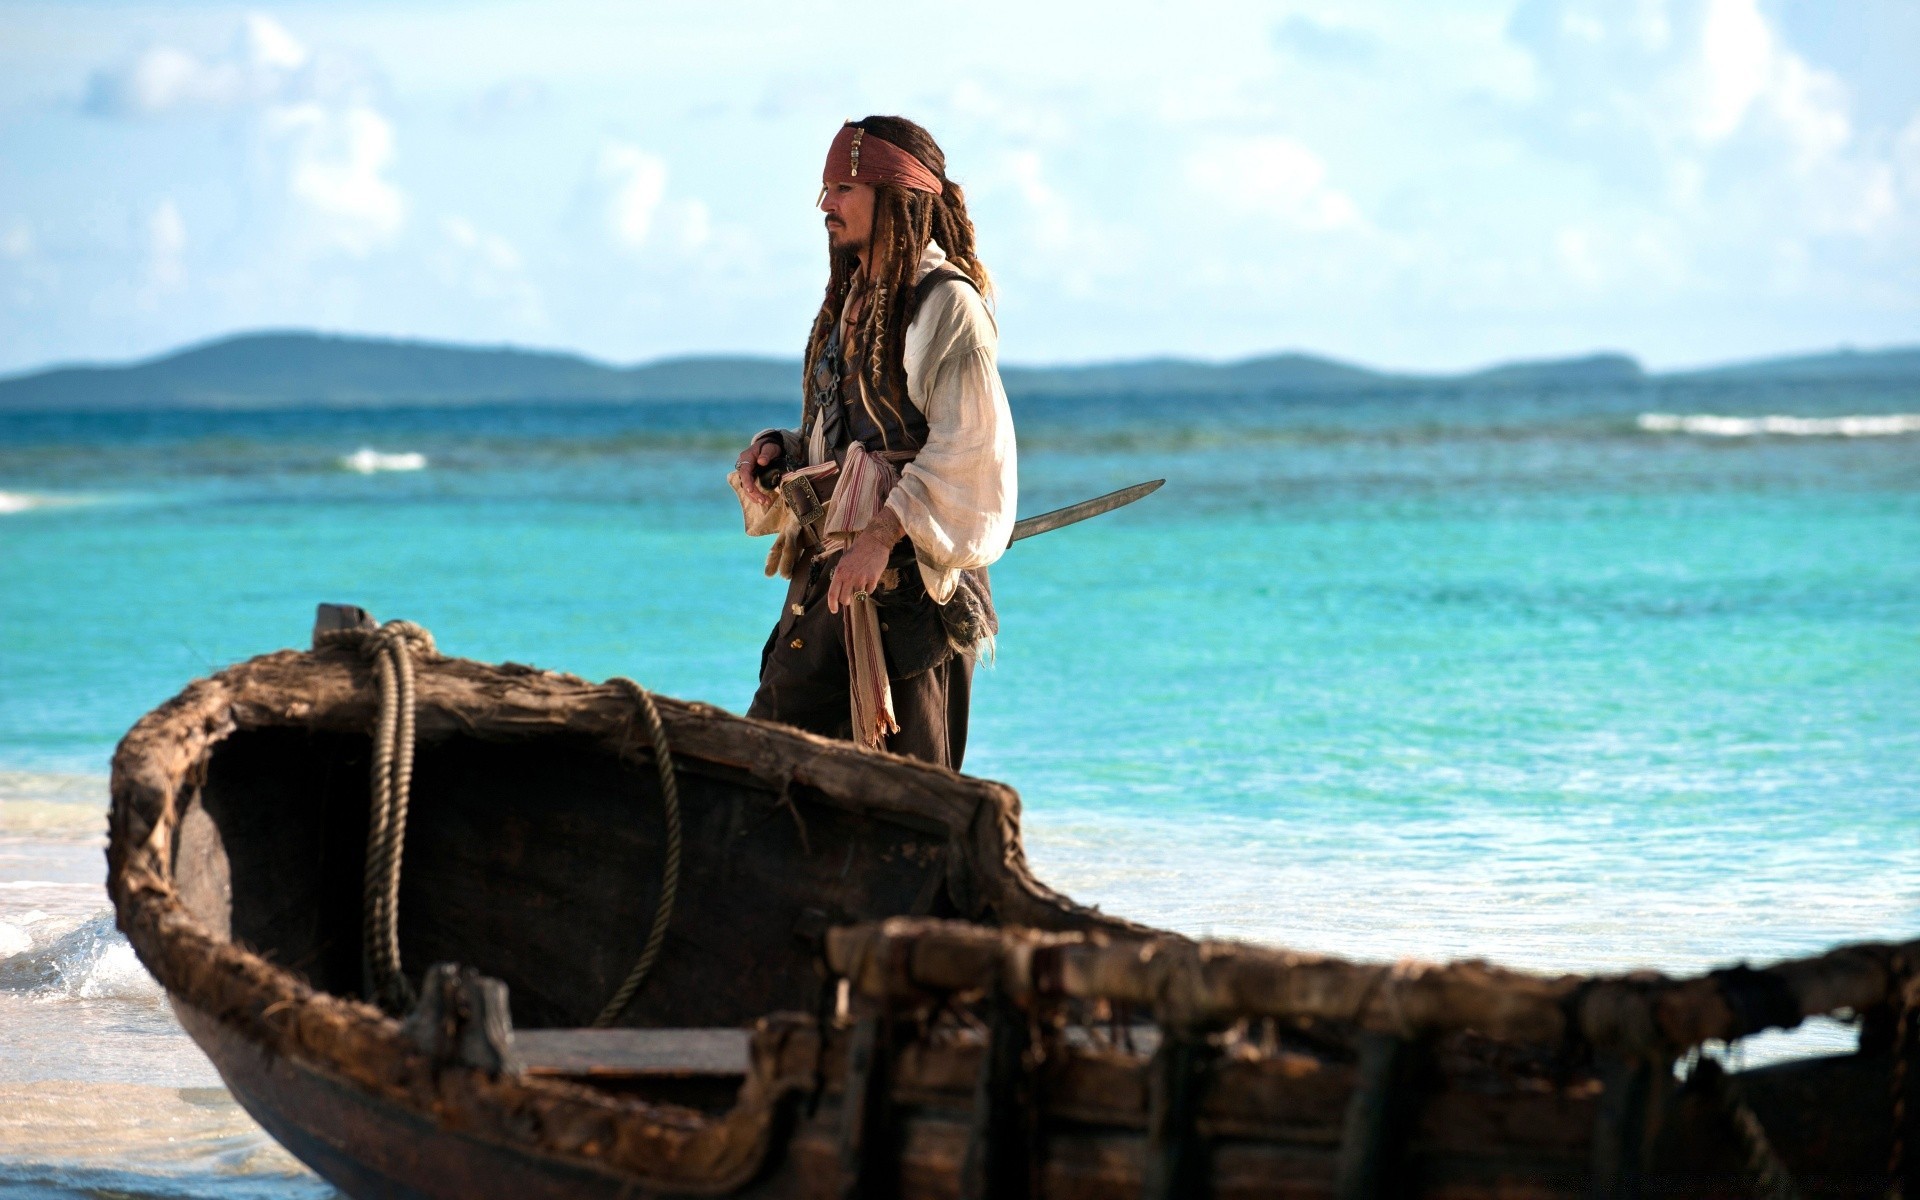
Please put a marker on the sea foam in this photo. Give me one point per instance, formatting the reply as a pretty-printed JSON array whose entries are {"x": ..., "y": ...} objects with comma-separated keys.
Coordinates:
[
  {"x": 88, "y": 962},
  {"x": 1711, "y": 425},
  {"x": 16, "y": 502},
  {"x": 366, "y": 460}
]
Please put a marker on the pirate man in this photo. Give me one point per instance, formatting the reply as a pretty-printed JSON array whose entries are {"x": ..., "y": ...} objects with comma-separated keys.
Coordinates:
[{"x": 899, "y": 486}]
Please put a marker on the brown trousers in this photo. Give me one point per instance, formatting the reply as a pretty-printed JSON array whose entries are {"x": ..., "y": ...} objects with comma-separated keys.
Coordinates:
[{"x": 803, "y": 679}]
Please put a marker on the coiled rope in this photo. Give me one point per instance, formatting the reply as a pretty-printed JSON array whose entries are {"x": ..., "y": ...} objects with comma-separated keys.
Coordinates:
[
  {"x": 670, "y": 870},
  {"x": 393, "y": 647}
]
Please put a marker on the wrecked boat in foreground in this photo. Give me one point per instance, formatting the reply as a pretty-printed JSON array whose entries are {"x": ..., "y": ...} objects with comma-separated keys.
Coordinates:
[{"x": 456, "y": 930}]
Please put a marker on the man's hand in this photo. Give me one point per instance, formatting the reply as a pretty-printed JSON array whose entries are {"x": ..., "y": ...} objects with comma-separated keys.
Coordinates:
[
  {"x": 861, "y": 564},
  {"x": 754, "y": 459}
]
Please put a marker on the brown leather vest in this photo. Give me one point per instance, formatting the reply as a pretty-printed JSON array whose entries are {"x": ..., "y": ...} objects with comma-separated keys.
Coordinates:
[
  {"x": 918, "y": 633},
  {"x": 889, "y": 423}
]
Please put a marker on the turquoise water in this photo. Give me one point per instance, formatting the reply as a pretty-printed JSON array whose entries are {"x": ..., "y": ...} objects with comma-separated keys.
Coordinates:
[{"x": 1507, "y": 675}]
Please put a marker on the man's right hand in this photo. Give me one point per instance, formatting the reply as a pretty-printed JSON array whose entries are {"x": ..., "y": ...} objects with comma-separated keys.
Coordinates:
[{"x": 753, "y": 460}]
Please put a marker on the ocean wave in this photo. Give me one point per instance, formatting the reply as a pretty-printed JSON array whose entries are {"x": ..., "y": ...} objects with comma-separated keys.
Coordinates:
[
  {"x": 1711, "y": 425},
  {"x": 88, "y": 962},
  {"x": 366, "y": 460},
  {"x": 14, "y": 503}
]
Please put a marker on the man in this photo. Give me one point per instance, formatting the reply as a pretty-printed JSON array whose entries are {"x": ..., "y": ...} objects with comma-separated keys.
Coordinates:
[{"x": 888, "y": 605}]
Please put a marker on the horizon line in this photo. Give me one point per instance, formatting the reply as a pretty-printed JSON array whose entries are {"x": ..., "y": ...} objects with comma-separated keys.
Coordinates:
[{"x": 1089, "y": 364}]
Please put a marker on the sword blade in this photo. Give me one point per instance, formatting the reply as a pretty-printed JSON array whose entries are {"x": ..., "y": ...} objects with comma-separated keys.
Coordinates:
[{"x": 1047, "y": 522}]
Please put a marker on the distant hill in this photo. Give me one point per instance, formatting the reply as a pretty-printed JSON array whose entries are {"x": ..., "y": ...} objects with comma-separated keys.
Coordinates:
[
  {"x": 1279, "y": 373},
  {"x": 1599, "y": 370},
  {"x": 1837, "y": 365},
  {"x": 294, "y": 369},
  {"x": 299, "y": 369}
]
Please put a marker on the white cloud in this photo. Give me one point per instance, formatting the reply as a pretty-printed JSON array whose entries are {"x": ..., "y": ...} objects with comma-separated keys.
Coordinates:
[
  {"x": 635, "y": 183},
  {"x": 1906, "y": 157},
  {"x": 1330, "y": 42},
  {"x": 1701, "y": 112},
  {"x": 1075, "y": 246},
  {"x": 507, "y": 100},
  {"x": 486, "y": 266},
  {"x": 335, "y": 164},
  {"x": 629, "y": 189},
  {"x": 1272, "y": 176},
  {"x": 1683, "y": 76},
  {"x": 1052, "y": 224},
  {"x": 163, "y": 241},
  {"x": 489, "y": 249},
  {"x": 1745, "y": 73},
  {"x": 1737, "y": 57},
  {"x": 327, "y": 145},
  {"x": 261, "y": 65},
  {"x": 1596, "y": 256},
  {"x": 16, "y": 240},
  {"x": 266, "y": 44},
  {"x": 166, "y": 246}
]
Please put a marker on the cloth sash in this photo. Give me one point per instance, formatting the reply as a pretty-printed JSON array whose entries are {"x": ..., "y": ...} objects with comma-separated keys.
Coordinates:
[{"x": 858, "y": 496}]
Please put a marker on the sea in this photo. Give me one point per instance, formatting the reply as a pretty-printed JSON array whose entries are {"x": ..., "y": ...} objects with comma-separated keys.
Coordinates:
[{"x": 1581, "y": 679}]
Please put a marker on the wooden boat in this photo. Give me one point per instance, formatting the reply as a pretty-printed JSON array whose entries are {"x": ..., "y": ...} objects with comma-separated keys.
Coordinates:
[{"x": 861, "y": 990}]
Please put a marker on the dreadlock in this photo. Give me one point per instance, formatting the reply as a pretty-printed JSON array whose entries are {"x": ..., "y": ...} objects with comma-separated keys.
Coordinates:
[{"x": 904, "y": 221}]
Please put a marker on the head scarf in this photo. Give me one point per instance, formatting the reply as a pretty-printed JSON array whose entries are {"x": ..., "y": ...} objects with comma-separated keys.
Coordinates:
[{"x": 859, "y": 157}]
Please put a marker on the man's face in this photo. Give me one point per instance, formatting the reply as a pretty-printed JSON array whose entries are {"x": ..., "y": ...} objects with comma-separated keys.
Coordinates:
[{"x": 849, "y": 209}]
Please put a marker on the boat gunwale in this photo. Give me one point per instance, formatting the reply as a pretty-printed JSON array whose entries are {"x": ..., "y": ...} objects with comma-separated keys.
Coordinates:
[
  {"x": 164, "y": 758},
  {"x": 1189, "y": 985}
]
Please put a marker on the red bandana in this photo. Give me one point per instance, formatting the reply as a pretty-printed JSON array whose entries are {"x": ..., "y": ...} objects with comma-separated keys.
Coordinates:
[{"x": 859, "y": 157}]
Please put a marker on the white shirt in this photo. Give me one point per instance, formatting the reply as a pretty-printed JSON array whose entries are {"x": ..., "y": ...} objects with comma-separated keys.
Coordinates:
[{"x": 957, "y": 498}]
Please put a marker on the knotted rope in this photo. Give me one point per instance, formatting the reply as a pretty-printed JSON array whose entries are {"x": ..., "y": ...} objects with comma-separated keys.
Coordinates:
[
  {"x": 670, "y": 870},
  {"x": 392, "y": 647}
]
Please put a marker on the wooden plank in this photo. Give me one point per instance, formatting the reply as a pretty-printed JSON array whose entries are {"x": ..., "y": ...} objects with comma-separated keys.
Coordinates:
[
  {"x": 1621, "y": 1123},
  {"x": 632, "y": 1053},
  {"x": 1179, "y": 1158},
  {"x": 1003, "y": 1139},
  {"x": 1379, "y": 1117}
]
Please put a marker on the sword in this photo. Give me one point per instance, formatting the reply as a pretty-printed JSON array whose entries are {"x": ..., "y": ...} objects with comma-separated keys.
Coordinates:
[{"x": 1047, "y": 522}]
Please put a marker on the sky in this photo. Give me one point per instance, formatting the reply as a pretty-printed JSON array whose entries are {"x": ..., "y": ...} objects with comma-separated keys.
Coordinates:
[{"x": 1417, "y": 184}]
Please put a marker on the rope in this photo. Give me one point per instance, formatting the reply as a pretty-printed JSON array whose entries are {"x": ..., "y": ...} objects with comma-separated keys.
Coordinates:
[
  {"x": 1904, "y": 1015},
  {"x": 393, "y": 647},
  {"x": 1771, "y": 1179},
  {"x": 670, "y": 870}
]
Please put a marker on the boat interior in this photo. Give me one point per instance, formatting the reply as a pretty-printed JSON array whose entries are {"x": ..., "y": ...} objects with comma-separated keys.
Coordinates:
[{"x": 538, "y": 862}]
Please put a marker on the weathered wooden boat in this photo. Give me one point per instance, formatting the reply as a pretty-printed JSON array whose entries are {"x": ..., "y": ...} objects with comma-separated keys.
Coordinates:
[{"x": 587, "y": 942}]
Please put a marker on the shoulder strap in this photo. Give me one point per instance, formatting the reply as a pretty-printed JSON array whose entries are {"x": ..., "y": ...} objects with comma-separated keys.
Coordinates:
[{"x": 935, "y": 278}]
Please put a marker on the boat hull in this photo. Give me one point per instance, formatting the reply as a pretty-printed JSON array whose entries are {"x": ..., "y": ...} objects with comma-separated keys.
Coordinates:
[{"x": 372, "y": 1149}]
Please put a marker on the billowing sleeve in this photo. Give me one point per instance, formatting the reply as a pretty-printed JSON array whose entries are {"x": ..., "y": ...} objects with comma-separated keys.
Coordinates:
[{"x": 957, "y": 498}]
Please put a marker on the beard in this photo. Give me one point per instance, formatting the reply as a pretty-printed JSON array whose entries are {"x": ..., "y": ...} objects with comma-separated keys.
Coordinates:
[{"x": 839, "y": 242}]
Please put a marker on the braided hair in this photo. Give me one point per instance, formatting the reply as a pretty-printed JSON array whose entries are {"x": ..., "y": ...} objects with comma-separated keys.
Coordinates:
[{"x": 904, "y": 221}]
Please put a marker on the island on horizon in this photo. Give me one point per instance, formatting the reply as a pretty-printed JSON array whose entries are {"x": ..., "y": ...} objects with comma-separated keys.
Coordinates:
[{"x": 300, "y": 369}]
